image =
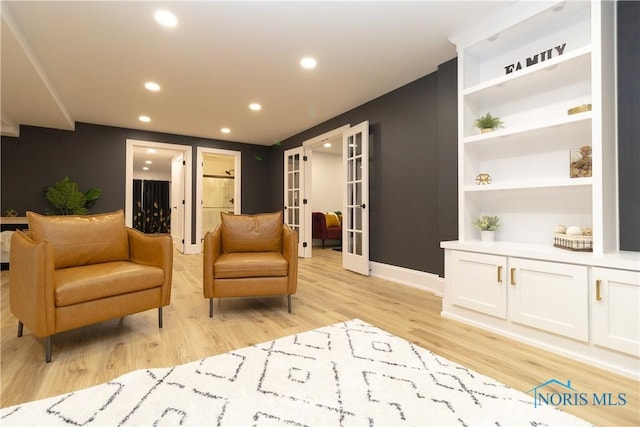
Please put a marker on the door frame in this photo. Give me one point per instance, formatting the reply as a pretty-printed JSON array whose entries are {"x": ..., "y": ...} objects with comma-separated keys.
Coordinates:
[
  {"x": 308, "y": 146},
  {"x": 128, "y": 201},
  {"x": 237, "y": 185}
]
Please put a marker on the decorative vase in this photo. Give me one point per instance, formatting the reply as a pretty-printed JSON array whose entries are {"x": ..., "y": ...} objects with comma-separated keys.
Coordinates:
[
  {"x": 486, "y": 235},
  {"x": 486, "y": 130}
]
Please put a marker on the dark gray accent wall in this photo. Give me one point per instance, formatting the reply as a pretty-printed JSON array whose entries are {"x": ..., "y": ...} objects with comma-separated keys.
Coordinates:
[
  {"x": 94, "y": 156},
  {"x": 629, "y": 123},
  {"x": 413, "y": 195}
]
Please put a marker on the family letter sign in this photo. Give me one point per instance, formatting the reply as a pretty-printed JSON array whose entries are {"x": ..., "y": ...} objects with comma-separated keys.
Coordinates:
[{"x": 545, "y": 55}]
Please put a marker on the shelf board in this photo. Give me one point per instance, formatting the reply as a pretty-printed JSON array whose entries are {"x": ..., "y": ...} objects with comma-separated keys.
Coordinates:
[
  {"x": 531, "y": 185},
  {"x": 536, "y": 128},
  {"x": 556, "y": 72}
]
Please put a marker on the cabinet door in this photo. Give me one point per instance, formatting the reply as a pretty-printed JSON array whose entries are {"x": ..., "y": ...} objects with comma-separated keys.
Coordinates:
[
  {"x": 550, "y": 296},
  {"x": 616, "y": 309},
  {"x": 479, "y": 283}
]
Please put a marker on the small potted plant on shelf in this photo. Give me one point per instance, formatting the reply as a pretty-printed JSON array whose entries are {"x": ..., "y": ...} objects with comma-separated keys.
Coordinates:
[
  {"x": 487, "y": 225},
  {"x": 488, "y": 123}
]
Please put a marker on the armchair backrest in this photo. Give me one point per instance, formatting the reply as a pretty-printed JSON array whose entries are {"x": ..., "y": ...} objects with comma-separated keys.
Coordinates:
[
  {"x": 82, "y": 239},
  {"x": 252, "y": 233},
  {"x": 318, "y": 225}
]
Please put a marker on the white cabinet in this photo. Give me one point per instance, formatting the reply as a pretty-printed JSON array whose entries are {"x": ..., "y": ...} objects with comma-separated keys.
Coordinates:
[
  {"x": 550, "y": 296},
  {"x": 480, "y": 283},
  {"x": 529, "y": 66},
  {"x": 546, "y": 295},
  {"x": 616, "y": 308}
]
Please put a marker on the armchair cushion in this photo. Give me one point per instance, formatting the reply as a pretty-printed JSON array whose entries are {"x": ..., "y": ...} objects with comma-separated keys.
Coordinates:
[
  {"x": 252, "y": 233},
  {"x": 332, "y": 220},
  {"x": 251, "y": 264},
  {"x": 82, "y": 240},
  {"x": 92, "y": 282}
]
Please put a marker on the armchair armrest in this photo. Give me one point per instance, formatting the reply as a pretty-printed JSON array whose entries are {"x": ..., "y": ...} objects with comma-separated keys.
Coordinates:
[
  {"x": 155, "y": 250},
  {"x": 212, "y": 250},
  {"x": 290, "y": 252},
  {"x": 31, "y": 287}
]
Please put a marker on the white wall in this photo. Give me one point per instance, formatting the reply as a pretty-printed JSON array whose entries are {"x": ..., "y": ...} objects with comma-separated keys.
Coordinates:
[{"x": 326, "y": 182}]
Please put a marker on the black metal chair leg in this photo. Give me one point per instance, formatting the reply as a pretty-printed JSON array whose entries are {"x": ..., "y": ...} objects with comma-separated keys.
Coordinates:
[
  {"x": 210, "y": 307},
  {"x": 20, "y": 328},
  {"x": 159, "y": 317},
  {"x": 289, "y": 302},
  {"x": 47, "y": 349}
]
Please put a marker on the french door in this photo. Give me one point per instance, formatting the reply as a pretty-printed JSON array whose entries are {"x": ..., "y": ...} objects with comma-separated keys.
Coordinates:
[
  {"x": 294, "y": 212},
  {"x": 355, "y": 218}
]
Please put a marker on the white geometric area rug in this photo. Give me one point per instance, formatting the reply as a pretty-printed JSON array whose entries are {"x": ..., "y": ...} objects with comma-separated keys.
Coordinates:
[{"x": 347, "y": 374}]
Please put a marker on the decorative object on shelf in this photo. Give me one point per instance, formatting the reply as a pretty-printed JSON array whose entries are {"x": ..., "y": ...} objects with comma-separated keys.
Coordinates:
[
  {"x": 488, "y": 123},
  {"x": 67, "y": 198},
  {"x": 11, "y": 213},
  {"x": 560, "y": 229},
  {"x": 483, "y": 179},
  {"x": 580, "y": 162},
  {"x": 487, "y": 235},
  {"x": 579, "y": 109},
  {"x": 487, "y": 225},
  {"x": 545, "y": 55},
  {"x": 573, "y": 243},
  {"x": 573, "y": 230},
  {"x": 573, "y": 238}
]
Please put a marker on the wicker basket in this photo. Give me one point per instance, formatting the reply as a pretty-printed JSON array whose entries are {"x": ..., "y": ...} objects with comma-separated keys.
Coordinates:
[{"x": 573, "y": 243}]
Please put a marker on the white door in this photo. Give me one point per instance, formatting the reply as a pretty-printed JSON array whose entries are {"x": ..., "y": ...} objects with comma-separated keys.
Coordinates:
[
  {"x": 615, "y": 304},
  {"x": 478, "y": 282},
  {"x": 355, "y": 217},
  {"x": 550, "y": 296},
  {"x": 294, "y": 212},
  {"x": 177, "y": 201}
]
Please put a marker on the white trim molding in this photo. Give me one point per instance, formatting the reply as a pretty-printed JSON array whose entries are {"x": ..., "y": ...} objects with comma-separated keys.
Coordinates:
[{"x": 416, "y": 279}]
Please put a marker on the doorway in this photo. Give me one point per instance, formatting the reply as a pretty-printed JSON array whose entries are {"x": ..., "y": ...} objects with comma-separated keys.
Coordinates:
[
  {"x": 157, "y": 161},
  {"x": 353, "y": 187},
  {"x": 218, "y": 187}
]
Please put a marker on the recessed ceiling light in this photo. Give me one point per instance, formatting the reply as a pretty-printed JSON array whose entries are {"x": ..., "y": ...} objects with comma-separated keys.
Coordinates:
[
  {"x": 152, "y": 86},
  {"x": 149, "y": 162},
  {"x": 145, "y": 168},
  {"x": 166, "y": 18},
  {"x": 151, "y": 150},
  {"x": 145, "y": 119},
  {"x": 225, "y": 130},
  {"x": 308, "y": 63},
  {"x": 327, "y": 144},
  {"x": 255, "y": 106}
]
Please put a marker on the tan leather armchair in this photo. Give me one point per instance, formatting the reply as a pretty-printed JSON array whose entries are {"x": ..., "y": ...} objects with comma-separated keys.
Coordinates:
[
  {"x": 71, "y": 271},
  {"x": 250, "y": 255}
]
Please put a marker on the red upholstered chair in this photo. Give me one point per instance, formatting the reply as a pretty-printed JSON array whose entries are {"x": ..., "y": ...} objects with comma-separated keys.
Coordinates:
[{"x": 321, "y": 230}]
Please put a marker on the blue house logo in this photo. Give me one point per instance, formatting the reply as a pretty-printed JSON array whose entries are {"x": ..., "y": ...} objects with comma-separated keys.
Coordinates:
[
  {"x": 567, "y": 396},
  {"x": 556, "y": 393}
]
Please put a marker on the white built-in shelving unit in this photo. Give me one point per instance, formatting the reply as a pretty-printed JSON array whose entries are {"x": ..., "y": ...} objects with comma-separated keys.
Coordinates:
[{"x": 529, "y": 64}]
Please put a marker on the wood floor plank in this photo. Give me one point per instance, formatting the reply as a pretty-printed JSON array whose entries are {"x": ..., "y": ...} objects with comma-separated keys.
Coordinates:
[{"x": 326, "y": 294}]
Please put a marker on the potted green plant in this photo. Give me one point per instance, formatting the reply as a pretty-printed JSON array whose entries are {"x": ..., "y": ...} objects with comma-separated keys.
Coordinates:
[
  {"x": 487, "y": 225},
  {"x": 488, "y": 123},
  {"x": 67, "y": 198}
]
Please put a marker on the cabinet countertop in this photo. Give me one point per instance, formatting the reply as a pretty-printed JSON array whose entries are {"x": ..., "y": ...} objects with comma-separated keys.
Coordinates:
[{"x": 625, "y": 260}]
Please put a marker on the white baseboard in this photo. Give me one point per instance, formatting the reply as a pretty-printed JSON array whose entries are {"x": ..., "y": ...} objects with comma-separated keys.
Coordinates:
[{"x": 416, "y": 279}]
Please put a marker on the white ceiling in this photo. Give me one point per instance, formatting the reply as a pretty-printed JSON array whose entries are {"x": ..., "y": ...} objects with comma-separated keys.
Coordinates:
[{"x": 86, "y": 61}]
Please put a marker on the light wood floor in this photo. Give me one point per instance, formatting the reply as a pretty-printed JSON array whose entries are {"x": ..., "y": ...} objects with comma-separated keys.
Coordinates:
[{"x": 326, "y": 294}]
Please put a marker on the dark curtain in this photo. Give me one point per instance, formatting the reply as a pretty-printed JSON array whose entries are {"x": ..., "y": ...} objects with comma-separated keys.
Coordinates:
[
  {"x": 157, "y": 213},
  {"x": 138, "y": 211},
  {"x": 151, "y": 210}
]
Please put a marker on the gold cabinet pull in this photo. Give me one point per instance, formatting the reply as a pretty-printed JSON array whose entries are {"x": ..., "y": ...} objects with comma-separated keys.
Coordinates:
[
  {"x": 499, "y": 274},
  {"x": 598, "y": 285},
  {"x": 513, "y": 276}
]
